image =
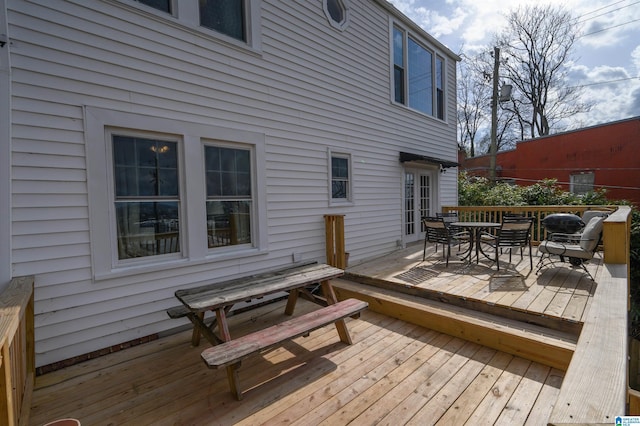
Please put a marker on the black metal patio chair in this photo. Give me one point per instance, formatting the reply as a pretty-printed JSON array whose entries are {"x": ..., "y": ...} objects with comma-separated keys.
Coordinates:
[
  {"x": 436, "y": 231},
  {"x": 514, "y": 233}
]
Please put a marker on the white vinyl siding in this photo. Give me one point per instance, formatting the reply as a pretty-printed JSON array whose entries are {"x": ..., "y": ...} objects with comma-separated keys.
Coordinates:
[{"x": 307, "y": 88}]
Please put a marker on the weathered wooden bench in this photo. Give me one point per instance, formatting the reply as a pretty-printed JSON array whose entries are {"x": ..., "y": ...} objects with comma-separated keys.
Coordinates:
[
  {"x": 221, "y": 297},
  {"x": 226, "y": 294},
  {"x": 230, "y": 354}
]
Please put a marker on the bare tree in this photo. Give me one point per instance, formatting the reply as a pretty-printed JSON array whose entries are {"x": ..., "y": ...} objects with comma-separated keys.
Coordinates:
[
  {"x": 473, "y": 97},
  {"x": 474, "y": 109},
  {"x": 537, "y": 44}
]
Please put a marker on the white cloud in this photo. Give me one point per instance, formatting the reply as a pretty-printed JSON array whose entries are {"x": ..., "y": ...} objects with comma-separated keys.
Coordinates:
[{"x": 635, "y": 58}]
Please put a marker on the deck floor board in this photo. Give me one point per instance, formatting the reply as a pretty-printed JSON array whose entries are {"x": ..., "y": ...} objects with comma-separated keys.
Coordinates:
[{"x": 394, "y": 370}]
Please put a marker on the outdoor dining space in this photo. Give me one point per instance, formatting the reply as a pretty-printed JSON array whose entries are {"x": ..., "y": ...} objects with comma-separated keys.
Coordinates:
[
  {"x": 395, "y": 372},
  {"x": 456, "y": 343}
]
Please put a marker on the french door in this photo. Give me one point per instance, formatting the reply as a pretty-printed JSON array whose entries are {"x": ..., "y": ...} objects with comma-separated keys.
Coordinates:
[{"x": 418, "y": 202}]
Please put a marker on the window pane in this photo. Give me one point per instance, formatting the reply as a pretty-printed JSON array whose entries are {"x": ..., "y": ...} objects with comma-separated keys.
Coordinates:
[
  {"x": 147, "y": 228},
  {"x": 228, "y": 172},
  {"x": 339, "y": 189},
  {"x": 225, "y": 16},
  {"x": 398, "y": 47},
  {"x": 398, "y": 65},
  {"x": 339, "y": 177},
  {"x": 440, "y": 87},
  {"x": 144, "y": 170},
  {"x": 229, "y": 202},
  {"x": 339, "y": 167},
  {"x": 420, "y": 78},
  {"x": 336, "y": 10},
  {"x": 398, "y": 88},
  {"x": 582, "y": 183},
  {"x": 145, "y": 167},
  {"x": 228, "y": 223},
  {"x": 163, "y": 5}
]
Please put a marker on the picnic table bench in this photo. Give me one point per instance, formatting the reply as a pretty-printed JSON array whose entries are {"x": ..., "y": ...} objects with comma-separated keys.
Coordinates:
[{"x": 220, "y": 298}]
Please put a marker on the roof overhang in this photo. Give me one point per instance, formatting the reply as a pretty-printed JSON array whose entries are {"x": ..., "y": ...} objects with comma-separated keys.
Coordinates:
[{"x": 406, "y": 157}]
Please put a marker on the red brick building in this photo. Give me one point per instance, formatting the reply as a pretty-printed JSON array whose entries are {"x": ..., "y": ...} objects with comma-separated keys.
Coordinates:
[{"x": 603, "y": 156}]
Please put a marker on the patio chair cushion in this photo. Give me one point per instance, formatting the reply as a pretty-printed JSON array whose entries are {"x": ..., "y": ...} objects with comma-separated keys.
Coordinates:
[
  {"x": 591, "y": 234},
  {"x": 564, "y": 249}
]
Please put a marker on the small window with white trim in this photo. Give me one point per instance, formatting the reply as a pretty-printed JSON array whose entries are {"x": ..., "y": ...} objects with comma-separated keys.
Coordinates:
[{"x": 340, "y": 177}]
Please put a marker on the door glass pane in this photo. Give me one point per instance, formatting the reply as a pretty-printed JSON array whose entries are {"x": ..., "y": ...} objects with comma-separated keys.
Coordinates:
[
  {"x": 409, "y": 203},
  {"x": 425, "y": 198}
]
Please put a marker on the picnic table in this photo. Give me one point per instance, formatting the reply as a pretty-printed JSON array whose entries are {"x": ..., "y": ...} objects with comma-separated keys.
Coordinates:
[{"x": 220, "y": 298}]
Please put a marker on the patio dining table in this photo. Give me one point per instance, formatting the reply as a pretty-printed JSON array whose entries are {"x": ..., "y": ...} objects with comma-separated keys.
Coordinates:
[{"x": 474, "y": 229}]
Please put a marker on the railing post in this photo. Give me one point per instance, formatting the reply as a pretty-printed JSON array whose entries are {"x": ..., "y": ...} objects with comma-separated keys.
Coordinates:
[{"x": 334, "y": 233}]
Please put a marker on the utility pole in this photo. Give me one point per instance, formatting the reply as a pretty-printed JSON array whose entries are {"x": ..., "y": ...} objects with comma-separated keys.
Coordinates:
[{"x": 494, "y": 115}]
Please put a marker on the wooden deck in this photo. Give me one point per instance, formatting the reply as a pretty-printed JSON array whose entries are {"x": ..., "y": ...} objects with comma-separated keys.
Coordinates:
[
  {"x": 394, "y": 373},
  {"x": 557, "y": 298}
]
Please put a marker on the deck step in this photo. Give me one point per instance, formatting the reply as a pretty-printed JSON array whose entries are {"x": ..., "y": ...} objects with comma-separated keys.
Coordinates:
[{"x": 540, "y": 344}]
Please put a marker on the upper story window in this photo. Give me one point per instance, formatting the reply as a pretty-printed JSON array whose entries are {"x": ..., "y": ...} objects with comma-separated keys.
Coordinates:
[
  {"x": 337, "y": 13},
  {"x": 418, "y": 74},
  {"x": 163, "y": 5},
  {"x": 235, "y": 21},
  {"x": 225, "y": 16}
]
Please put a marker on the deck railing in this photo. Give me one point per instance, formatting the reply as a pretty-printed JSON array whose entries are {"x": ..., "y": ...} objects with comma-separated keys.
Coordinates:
[
  {"x": 495, "y": 214},
  {"x": 595, "y": 387},
  {"x": 17, "y": 360}
]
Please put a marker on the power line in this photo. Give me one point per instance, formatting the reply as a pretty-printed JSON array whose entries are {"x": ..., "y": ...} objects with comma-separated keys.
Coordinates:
[
  {"x": 601, "y": 8},
  {"x": 609, "y": 28},
  {"x": 604, "y": 82},
  {"x": 569, "y": 183},
  {"x": 605, "y": 13}
]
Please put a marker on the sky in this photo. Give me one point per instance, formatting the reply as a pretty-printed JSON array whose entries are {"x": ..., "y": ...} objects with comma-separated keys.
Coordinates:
[{"x": 606, "y": 52}]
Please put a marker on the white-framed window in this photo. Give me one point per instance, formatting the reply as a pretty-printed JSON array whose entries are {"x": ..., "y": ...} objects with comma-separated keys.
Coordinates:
[
  {"x": 341, "y": 181},
  {"x": 582, "y": 183},
  {"x": 146, "y": 194},
  {"x": 230, "y": 203},
  {"x": 337, "y": 13},
  {"x": 237, "y": 21},
  {"x": 158, "y": 200},
  {"x": 417, "y": 73}
]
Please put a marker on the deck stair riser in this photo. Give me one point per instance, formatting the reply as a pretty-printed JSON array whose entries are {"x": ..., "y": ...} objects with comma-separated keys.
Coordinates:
[{"x": 547, "y": 346}]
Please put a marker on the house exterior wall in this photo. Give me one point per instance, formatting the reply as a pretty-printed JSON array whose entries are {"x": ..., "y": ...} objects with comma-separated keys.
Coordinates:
[
  {"x": 608, "y": 150},
  {"x": 302, "y": 90}
]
